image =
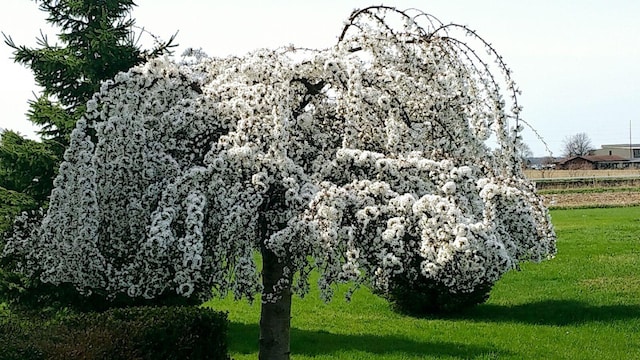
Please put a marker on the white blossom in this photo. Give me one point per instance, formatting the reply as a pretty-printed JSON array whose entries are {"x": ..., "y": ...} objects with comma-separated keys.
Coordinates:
[{"x": 354, "y": 160}]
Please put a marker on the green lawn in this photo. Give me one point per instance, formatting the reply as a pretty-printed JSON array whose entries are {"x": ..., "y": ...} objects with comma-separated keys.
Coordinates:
[{"x": 584, "y": 304}]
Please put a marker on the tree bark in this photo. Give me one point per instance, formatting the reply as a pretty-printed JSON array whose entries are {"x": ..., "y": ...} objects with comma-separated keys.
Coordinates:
[{"x": 275, "y": 314}]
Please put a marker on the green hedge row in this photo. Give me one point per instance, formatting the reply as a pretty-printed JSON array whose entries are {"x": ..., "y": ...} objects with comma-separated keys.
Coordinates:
[{"x": 171, "y": 332}]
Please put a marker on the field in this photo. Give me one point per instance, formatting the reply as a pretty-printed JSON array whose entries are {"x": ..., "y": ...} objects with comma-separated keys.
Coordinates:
[
  {"x": 587, "y": 188},
  {"x": 583, "y": 198},
  {"x": 584, "y": 304},
  {"x": 547, "y": 174}
]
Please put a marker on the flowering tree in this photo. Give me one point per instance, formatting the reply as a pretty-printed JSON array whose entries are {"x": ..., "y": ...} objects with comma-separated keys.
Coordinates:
[{"x": 354, "y": 160}]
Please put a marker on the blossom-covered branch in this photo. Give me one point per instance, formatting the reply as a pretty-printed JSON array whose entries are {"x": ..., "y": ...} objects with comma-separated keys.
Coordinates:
[{"x": 393, "y": 145}]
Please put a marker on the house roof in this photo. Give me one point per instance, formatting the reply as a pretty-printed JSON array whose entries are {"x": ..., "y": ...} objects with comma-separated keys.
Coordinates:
[{"x": 594, "y": 158}]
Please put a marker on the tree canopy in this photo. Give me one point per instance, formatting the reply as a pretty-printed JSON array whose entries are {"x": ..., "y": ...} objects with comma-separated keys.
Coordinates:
[
  {"x": 354, "y": 160},
  {"x": 577, "y": 145}
]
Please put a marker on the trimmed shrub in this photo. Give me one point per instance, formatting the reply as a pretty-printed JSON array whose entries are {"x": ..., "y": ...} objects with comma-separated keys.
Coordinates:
[
  {"x": 134, "y": 333},
  {"x": 413, "y": 294},
  {"x": 16, "y": 340},
  {"x": 423, "y": 297}
]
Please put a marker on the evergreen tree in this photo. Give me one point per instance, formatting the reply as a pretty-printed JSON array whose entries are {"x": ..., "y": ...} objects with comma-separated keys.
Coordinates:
[{"x": 97, "y": 40}]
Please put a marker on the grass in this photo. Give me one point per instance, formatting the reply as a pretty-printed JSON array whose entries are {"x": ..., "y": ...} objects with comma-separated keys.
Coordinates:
[{"x": 584, "y": 304}]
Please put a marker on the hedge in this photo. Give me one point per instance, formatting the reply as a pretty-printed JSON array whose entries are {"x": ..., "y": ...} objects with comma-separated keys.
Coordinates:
[{"x": 135, "y": 333}]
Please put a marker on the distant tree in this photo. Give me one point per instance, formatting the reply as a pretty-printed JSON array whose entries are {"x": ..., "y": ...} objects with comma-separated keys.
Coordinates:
[
  {"x": 364, "y": 160},
  {"x": 525, "y": 153},
  {"x": 576, "y": 145}
]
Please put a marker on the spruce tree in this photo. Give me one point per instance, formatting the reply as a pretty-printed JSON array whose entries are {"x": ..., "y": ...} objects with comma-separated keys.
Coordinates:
[{"x": 97, "y": 40}]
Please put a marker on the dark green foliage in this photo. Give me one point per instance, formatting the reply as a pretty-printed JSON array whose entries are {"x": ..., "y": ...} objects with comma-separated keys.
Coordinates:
[
  {"x": 130, "y": 333},
  {"x": 15, "y": 337},
  {"x": 97, "y": 41},
  {"x": 11, "y": 203},
  {"x": 424, "y": 297},
  {"x": 27, "y": 168}
]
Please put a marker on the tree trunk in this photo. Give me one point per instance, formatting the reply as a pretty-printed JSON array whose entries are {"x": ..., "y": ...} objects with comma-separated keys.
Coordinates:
[{"x": 275, "y": 315}]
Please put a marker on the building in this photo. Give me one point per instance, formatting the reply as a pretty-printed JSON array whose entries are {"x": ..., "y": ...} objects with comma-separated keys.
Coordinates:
[
  {"x": 630, "y": 152},
  {"x": 594, "y": 162}
]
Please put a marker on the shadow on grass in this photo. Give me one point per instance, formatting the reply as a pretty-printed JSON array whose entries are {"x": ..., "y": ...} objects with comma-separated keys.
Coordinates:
[
  {"x": 550, "y": 312},
  {"x": 244, "y": 340}
]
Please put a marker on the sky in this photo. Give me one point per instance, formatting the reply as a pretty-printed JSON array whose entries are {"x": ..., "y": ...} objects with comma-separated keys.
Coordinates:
[{"x": 577, "y": 62}]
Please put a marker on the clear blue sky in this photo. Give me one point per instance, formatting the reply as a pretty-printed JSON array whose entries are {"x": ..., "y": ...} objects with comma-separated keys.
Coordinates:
[{"x": 577, "y": 61}]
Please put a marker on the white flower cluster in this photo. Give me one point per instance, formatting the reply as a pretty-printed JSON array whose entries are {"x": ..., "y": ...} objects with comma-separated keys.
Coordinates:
[{"x": 356, "y": 160}]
